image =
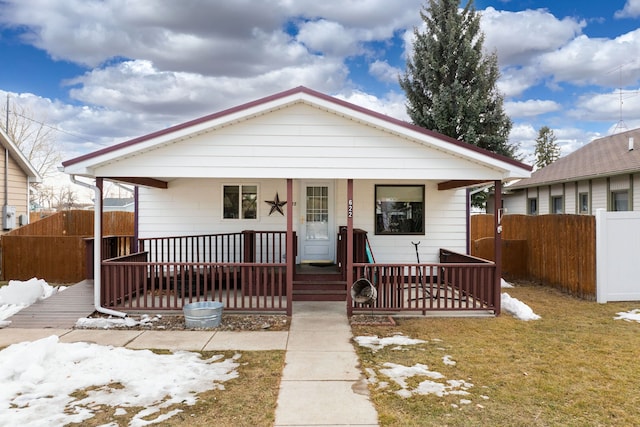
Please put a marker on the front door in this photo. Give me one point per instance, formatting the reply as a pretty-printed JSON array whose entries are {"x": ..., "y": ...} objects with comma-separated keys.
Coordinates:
[{"x": 317, "y": 234}]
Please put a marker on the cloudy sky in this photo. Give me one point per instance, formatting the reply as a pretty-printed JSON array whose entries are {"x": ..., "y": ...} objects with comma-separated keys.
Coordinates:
[{"x": 103, "y": 71}]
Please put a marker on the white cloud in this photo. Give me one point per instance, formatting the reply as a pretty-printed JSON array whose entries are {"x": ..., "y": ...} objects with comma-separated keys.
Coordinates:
[
  {"x": 529, "y": 108},
  {"x": 631, "y": 10},
  {"x": 138, "y": 87},
  {"x": 605, "y": 62},
  {"x": 611, "y": 106},
  {"x": 521, "y": 36},
  {"x": 392, "y": 105},
  {"x": 330, "y": 38},
  {"x": 384, "y": 72}
]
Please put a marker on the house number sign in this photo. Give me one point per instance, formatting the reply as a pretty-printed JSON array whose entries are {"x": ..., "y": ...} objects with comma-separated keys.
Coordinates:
[{"x": 350, "y": 209}]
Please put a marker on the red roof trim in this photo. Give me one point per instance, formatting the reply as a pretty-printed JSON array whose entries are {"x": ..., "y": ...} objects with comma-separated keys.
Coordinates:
[{"x": 299, "y": 89}]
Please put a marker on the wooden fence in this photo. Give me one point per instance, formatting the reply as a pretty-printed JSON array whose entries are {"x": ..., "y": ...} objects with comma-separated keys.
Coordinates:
[
  {"x": 53, "y": 248},
  {"x": 559, "y": 250}
]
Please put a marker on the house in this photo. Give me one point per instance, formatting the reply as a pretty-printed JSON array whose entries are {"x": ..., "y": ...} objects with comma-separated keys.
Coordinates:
[
  {"x": 110, "y": 204},
  {"x": 293, "y": 196},
  {"x": 604, "y": 174},
  {"x": 16, "y": 176}
]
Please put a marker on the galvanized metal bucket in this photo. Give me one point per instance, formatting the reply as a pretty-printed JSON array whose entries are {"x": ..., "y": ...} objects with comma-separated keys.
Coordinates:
[{"x": 203, "y": 314}]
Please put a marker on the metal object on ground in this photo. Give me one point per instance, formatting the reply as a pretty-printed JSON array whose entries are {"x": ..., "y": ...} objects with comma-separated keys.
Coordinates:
[
  {"x": 203, "y": 314},
  {"x": 363, "y": 291}
]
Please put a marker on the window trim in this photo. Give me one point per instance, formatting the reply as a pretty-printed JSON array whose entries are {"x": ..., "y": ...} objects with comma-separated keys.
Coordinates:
[
  {"x": 553, "y": 204},
  {"x": 240, "y": 186},
  {"x": 529, "y": 210},
  {"x": 586, "y": 211},
  {"x": 612, "y": 196},
  {"x": 379, "y": 232}
]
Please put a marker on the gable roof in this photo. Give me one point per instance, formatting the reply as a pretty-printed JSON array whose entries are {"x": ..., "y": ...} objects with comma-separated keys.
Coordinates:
[
  {"x": 20, "y": 158},
  {"x": 600, "y": 158},
  {"x": 87, "y": 164}
]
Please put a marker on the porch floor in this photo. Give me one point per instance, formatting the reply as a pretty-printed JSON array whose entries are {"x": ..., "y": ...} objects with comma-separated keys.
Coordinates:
[{"x": 59, "y": 311}]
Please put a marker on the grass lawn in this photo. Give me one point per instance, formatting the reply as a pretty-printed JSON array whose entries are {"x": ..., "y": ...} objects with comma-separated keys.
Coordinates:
[{"x": 576, "y": 366}]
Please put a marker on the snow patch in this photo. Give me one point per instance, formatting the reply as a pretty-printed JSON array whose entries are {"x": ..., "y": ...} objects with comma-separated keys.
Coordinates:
[
  {"x": 38, "y": 379},
  {"x": 399, "y": 374},
  {"x": 629, "y": 316},
  {"x": 375, "y": 343},
  {"x": 18, "y": 295},
  {"x": 517, "y": 308}
]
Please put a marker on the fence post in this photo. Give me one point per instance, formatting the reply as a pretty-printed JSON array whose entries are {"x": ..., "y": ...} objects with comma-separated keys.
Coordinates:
[
  {"x": 497, "y": 215},
  {"x": 601, "y": 265}
]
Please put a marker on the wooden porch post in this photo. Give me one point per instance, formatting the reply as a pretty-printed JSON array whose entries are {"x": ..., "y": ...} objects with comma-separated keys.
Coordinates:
[
  {"x": 497, "y": 213},
  {"x": 291, "y": 259},
  {"x": 349, "y": 263}
]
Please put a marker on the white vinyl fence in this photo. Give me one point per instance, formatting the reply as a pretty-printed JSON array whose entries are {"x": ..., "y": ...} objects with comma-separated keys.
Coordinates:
[{"x": 617, "y": 256}]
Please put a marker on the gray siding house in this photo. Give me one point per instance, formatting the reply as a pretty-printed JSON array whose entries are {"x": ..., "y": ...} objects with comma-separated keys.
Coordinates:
[{"x": 604, "y": 174}]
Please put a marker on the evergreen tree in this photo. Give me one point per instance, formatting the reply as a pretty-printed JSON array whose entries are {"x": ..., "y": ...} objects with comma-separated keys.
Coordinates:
[
  {"x": 547, "y": 150},
  {"x": 450, "y": 85}
]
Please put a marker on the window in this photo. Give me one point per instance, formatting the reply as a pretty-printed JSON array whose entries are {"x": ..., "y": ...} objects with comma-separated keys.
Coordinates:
[
  {"x": 532, "y": 208},
  {"x": 583, "y": 199},
  {"x": 240, "y": 201},
  {"x": 620, "y": 200},
  {"x": 399, "y": 209},
  {"x": 557, "y": 205}
]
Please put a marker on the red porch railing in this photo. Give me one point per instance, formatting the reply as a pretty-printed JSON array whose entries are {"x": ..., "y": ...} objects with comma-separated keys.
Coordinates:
[
  {"x": 131, "y": 285},
  {"x": 241, "y": 270},
  {"x": 457, "y": 283},
  {"x": 244, "y": 271}
]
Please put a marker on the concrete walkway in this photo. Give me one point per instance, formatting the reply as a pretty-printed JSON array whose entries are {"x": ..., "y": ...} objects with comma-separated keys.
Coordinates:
[{"x": 321, "y": 383}]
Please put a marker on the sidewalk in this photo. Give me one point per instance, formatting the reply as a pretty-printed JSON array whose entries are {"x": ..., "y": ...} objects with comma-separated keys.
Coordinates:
[{"x": 321, "y": 383}]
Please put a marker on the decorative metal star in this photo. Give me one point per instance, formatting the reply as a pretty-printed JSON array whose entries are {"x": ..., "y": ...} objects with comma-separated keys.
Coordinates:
[{"x": 276, "y": 205}]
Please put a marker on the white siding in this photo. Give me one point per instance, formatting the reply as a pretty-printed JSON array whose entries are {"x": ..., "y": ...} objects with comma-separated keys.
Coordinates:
[
  {"x": 600, "y": 196},
  {"x": 543, "y": 200},
  {"x": 583, "y": 187},
  {"x": 515, "y": 203},
  {"x": 621, "y": 182},
  {"x": 299, "y": 141},
  {"x": 570, "y": 204},
  {"x": 193, "y": 206},
  {"x": 636, "y": 192}
]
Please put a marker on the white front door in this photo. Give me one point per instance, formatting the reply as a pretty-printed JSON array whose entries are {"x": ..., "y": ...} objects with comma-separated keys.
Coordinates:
[{"x": 317, "y": 233}]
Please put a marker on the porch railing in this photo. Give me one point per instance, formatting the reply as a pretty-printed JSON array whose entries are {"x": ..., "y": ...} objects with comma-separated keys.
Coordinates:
[
  {"x": 242, "y": 270},
  {"x": 267, "y": 247},
  {"x": 457, "y": 283}
]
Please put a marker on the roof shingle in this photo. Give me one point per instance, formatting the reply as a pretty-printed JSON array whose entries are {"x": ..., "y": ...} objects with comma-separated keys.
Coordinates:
[{"x": 602, "y": 157}]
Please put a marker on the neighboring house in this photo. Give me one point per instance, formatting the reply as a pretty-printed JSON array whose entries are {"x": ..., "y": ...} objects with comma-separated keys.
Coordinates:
[
  {"x": 16, "y": 176},
  {"x": 304, "y": 169},
  {"x": 111, "y": 204},
  {"x": 604, "y": 174}
]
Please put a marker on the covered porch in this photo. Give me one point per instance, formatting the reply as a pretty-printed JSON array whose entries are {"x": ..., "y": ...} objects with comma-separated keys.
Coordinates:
[{"x": 257, "y": 271}]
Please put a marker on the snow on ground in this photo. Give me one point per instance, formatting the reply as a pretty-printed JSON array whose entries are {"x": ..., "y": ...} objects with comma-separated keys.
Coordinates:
[
  {"x": 435, "y": 383},
  {"x": 17, "y": 295},
  {"x": 114, "y": 322},
  {"x": 39, "y": 380},
  {"x": 517, "y": 308},
  {"x": 505, "y": 284},
  {"x": 629, "y": 316},
  {"x": 375, "y": 343}
]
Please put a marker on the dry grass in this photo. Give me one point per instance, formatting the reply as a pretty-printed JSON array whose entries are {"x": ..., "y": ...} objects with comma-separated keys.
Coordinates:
[
  {"x": 249, "y": 400},
  {"x": 576, "y": 366}
]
